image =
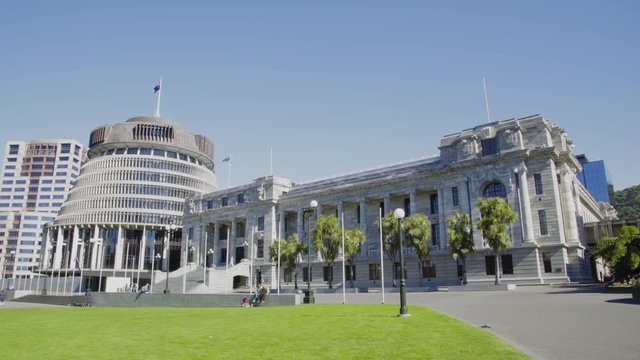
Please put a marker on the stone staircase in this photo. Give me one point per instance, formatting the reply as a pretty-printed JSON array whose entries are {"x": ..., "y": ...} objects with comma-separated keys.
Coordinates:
[{"x": 218, "y": 280}]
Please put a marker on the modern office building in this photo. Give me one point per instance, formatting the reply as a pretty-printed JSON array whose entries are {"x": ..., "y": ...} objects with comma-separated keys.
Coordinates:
[
  {"x": 36, "y": 178},
  {"x": 528, "y": 162},
  {"x": 595, "y": 177},
  {"x": 124, "y": 214}
]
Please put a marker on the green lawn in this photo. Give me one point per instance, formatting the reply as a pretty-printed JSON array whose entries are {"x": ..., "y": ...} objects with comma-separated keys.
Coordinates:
[{"x": 300, "y": 332}]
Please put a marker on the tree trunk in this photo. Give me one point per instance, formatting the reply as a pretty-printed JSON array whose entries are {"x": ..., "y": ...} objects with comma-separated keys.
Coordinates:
[
  {"x": 420, "y": 271},
  {"x": 295, "y": 280},
  {"x": 497, "y": 269},
  {"x": 464, "y": 271}
]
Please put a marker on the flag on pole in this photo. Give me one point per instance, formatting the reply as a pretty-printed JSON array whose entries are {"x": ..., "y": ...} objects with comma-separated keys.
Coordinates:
[
  {"x": 156, "y": 88},
  {"x": 226, "y": 159}
]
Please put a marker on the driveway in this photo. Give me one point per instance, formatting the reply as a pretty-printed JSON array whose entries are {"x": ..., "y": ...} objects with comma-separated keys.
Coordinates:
[{"x": 544, "y": 322}]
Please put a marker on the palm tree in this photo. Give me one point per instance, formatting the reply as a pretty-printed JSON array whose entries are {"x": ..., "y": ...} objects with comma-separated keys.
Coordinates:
[
  {"x": 353, "y": 239},
  {"x": 417, "y": 231},
  {"x": 460, "y": 239},
  {"x": 290, "y": 255},
  {"x": 390, "y": 242},
  {"x": 327, "y": 240},
  {"x": 495, "y": 217}
]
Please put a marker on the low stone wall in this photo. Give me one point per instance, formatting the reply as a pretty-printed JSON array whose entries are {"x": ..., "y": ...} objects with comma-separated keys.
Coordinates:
[
  {"x": 187, "y": 300},
  {"x": 482, "y": 287}
]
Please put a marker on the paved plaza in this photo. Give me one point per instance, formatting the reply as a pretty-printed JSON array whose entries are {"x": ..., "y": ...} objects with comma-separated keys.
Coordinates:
[{"x": 544, "y": 322}]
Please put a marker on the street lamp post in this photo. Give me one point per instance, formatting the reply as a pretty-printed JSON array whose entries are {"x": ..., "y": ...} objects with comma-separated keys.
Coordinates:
[
  {"x": 157, "y": 257},
  {"x": 309, "y": 298},
  {"x": 170, "y": 229},
  {"x": 399, "y": 214},
  {"x": 13, "y": 271}
]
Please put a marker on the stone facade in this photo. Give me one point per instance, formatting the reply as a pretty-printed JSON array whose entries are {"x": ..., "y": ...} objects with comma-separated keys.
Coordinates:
[{"x": 528, "y": 161}]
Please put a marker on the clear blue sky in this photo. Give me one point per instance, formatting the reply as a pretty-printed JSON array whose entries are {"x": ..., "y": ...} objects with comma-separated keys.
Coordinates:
[{"x": 333, "y": 86}]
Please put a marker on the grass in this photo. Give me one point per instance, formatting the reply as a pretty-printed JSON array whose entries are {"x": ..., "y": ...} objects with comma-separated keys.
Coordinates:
[{"x": 300, "y": 332}]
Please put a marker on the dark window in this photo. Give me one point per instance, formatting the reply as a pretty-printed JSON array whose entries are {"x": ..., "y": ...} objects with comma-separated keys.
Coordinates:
[
  {"x": 223, "y": 232},
  {"x": 358, "y": 214},
  {"x": 546, "y": 259},
  {"x": 209, "y": 204},
  {"x": 225, "y": 201},
  {"x": 305, "y": 272},
  {"x": 223, "y": 255},
  {"x": 260, "y": 250},
  {"x": 507, "y": 264},
  {"x": 396, "y": 270},
  {"x": 13, "y": 149},
  {"x": 326, "y": 272},
  {"x": 382, "y": 207},
  {"x": 538, "y": 181},
  {"x": 490, "y": 147},
  {"x": 240, "y": 198},
  {"x": 374, "y": 271},
  {"x": 428, "y": 269},
  {"x": 490, "y": 264},
  {"x": 407, "y": 206},
  {"x": 542, "y": 217},
  {"x": 434, "y": 203},
  {"x": 349, "y": 272},
  {"x": 132, "y": 151},
  {"x": 65, "y": 148},
  {"x": 435, "y": 234},
  {"x": 288, "y": 277},
  {"x": 455, "y": 197},
  {"x": 496, "y": 189},
  {"x": 261, "y": 223}
]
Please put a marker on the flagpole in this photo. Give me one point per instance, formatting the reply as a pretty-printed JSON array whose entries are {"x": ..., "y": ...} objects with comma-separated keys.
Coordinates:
[
  {"x": 486, "y": 99},
  {"x": 271, "y": 160},
  {"x": 381, "y": 257},
  {"x": 158, "y": 99},
  {"x": 229, "y": 173},
  {"x": 344, "y": 291}
]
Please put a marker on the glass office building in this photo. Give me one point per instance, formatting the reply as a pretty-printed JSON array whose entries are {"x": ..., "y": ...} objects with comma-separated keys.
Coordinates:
[{"x": 595, "y": 177}]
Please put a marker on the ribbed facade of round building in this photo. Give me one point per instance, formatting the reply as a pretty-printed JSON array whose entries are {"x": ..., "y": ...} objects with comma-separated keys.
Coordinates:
[{"x": 130, "y": 190}]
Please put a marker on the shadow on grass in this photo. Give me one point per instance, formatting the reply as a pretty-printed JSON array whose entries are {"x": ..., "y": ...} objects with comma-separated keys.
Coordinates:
[{"x": 351, "y": 316}]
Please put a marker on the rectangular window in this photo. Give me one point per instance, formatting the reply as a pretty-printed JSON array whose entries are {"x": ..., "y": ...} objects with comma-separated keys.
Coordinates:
[
  {"x": 65, "y": 148},
  {"x": 407, "y": 206},
  {"x": 374, "y": 271},
  {"x": 381, "y": 205},
  {"x": 261, "y": 223},
  {"x": 326, "y": 272},
  {"x": 433, "y": 199},
  {"x": 132, "y": 151},
  {"x": 350, "y": 272},
  {"x": 455, "y": 197},
  {"x": 260, "y": 250},
  {"x": 546, "y": 259},
  {"x": 305, "y": 274},
  {"x": 490, "y": 264},
  {"x": 145, "y": 151},
  {"x": 396, "y": 270},
  {"x": 225, "y": 201},
  {"x": 13, "y": 149},
  {"x": 542, "y": 218},
  {"x": 490, "y": 146},
  {"x": 507, "y": 264},
  {"x": 120, "y": 151},
  {"x": 288, "y": 277},
  {"x": 460, "y": 268},
  {"x": 358, "y": 213},
  {"x": 537, "y": 178},
  {"x": 435, "y": 235},
  {"x": 209, "y": 204},
  {"x": 241, "y": 198},
  {"x": 223, "y": 255},
  {"x": 428, "y": 269}
]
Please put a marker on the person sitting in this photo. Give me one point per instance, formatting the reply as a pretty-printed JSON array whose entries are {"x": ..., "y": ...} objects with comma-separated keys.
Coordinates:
[{"x": 244, "y": 302}]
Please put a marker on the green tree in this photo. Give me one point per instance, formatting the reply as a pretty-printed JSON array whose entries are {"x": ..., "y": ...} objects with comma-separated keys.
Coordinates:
[
  {"x": 495, "y": 217},
  {"x": 290, "y": 255},
  {"x": 327, "y": 240},
  {"x": 417, "y": 232},
  {"x": 627, "y": 202},
  {"x": 621, "y": 253},
  {"x": 390, "y": 241},
  {"x": 460, "y": 239},
  {"x": 353, "y": 239}
]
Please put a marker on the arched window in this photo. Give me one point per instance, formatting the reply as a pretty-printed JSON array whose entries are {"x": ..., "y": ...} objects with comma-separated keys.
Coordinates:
[{"x": 495, "y": 189}]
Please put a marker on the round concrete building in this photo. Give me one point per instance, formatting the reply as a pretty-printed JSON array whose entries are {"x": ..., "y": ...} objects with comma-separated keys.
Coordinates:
[{"x": 124, "y": 214}]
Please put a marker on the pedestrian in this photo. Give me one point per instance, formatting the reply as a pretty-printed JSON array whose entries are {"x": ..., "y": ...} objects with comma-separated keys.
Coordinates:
[
  {"x": 2, "y": 297},
  {"x": 244, "y": 302}
]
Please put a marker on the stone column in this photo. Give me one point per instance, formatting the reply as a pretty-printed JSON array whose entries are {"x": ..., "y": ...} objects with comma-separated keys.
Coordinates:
[
  {"x": 525, "y": 202},
  {"x": 95, "y": 248},
  {"x": 442, "y": 225},
  {"x": 363, "y": 215},
  {"x": 568, "y": 204},
  {"x": 413, "y": 196},
  {"x": 142, "y": 248},
  {"x": 282, "y": 234},
  {"x": 232, "y": 243},
  {"x": 215, "y": 246},
  {"x": 300, "y": 225},
  {"x": 117, "y": 265},
  {"x": 387, "y": 205},
  {"x": 57, "y": 259},
  {"x": 74, "y": 247}
]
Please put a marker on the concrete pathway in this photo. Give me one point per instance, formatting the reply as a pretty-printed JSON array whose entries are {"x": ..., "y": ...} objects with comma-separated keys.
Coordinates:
[{"x": 544, "y": 322}]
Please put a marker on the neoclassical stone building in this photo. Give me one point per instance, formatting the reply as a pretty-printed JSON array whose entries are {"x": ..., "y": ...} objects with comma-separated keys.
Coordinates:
[{"x": 528, "y": 161}]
